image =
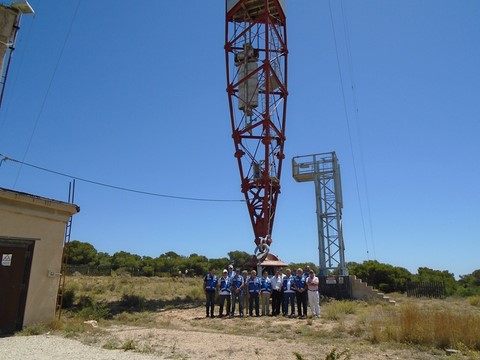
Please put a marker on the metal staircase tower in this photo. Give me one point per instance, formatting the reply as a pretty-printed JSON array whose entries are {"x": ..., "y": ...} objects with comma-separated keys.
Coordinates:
[{"x": 323, "y": 169}]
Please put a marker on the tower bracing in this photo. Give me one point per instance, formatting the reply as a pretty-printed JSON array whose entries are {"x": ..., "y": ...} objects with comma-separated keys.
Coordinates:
[
  {"x": 10, "y": 16},
  {"x": 323, "y": 169},
  {"x": 256, "y": 68}
]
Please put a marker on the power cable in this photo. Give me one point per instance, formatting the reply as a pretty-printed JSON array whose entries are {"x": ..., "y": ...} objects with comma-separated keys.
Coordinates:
[
  {"x": 6, "y": 158},
  {"x": 67, "y": 36},
  {"x": 348, "y": 129},
  {"x": 357, "y": 118}
]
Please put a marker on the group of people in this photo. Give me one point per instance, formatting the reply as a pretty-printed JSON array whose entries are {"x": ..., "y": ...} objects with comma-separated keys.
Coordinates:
[{"x": 253, "y": 293}]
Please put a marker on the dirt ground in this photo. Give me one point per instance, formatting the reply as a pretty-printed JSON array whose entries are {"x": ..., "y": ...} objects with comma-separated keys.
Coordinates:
[{"x": 187, "y": 334}]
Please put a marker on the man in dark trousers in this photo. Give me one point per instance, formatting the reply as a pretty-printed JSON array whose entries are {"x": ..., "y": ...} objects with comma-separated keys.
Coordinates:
[
  {"x": 253, "y": 285},
  {"x": 301, "y": 296},
  {"x": 277, "y": 284},
  {"x": 209, "y": 286},
  {"x": 224, "y": 290},
  {"x": 237, "y": 294}
]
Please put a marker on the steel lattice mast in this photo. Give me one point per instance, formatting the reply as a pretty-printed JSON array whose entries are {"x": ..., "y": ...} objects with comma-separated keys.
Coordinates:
[
  {"x": 324, "y": 170},
  {"x": 256, "y": 62}
]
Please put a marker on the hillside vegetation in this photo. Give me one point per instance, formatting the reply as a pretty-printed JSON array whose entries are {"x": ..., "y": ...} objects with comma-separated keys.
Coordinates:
[
  {"x": 84, "y": 259},
  {"x": 133, "y": 313}
]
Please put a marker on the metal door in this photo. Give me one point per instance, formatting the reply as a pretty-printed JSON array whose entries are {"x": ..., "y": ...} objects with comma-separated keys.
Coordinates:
[{"x": 15, "y": 264}]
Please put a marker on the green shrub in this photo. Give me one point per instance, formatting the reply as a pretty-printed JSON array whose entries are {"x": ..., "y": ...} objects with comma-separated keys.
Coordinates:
[
  {"x": 68, "y": 298},
  {"x": 73, "y": 327},
  {"x": 334, "y": 355},
  {"x": 133, "y": 302},
  {"x": 129, "y": 345},
  {"x": 90, "y": 310},
  {"x": 35, "y": 329},
  {"x": 85, "y": 301},
  {"x": 338, "y": 309},
  {"x": 474, "y": 300}
]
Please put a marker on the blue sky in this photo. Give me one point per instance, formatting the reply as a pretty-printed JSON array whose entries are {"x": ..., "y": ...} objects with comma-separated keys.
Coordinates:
[{"x": 135, "y": 97}]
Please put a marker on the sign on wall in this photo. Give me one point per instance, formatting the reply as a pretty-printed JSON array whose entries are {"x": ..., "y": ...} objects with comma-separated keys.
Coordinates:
[{"x": 6, "y": 259}]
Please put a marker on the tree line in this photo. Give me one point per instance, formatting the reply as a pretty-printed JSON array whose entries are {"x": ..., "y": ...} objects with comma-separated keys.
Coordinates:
[{"x": 83, "y": 257}]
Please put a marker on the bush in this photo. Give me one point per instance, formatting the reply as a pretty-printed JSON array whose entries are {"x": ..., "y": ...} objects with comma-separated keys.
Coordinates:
[
  {"x": 85, "y": 301},
  {"x": 133, "y": 302},
  {"x": 35, "y": 329},
  {"x": 129, "y": 345},
  {"x": 68, "y": 298},
  {"x": 334, "y": 355},
  {"x": 474, "y": 300},
  {"x": 337, "y": 310},
  {"x": 90, "y": 310}
]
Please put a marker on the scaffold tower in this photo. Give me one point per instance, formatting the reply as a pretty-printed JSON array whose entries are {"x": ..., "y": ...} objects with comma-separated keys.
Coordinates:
[{"x": 323, "y": 169}]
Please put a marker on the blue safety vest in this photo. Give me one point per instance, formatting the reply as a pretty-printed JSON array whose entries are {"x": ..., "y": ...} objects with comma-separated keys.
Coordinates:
[
  {"x": 253, "y": 285},
  {"x": 266, "y": 285},
  {"x": 211, "y": 282},
  {"x": 237, "y": 281},
  {"x": 300, "y": 282},
  {"x": 224, "y": 284}
]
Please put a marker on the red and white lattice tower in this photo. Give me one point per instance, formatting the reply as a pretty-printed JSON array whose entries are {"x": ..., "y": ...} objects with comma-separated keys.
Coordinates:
[{"x": 256, "y": 61}]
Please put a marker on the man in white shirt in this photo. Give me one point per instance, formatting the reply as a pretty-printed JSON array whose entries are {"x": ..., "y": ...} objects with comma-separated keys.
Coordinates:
[
  {"x": 313, "y": 296},
  {"x": 277, "y": 284}
]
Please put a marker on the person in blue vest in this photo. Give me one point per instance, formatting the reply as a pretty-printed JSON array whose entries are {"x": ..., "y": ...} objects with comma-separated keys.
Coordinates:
[
  {"x": 253, "y": 285},
  {"x": 288, "y": 293},
  {"x": 224, "y": 290},
  {"x": 265, "y": 293},
  {"x": 237, "y": 293},
  {"x": 210, "y": 286},
  {"x": 300, "y": 286}
]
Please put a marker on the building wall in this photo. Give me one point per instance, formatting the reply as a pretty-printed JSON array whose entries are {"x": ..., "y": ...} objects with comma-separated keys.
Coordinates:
[{"x": 25, "y": 216}]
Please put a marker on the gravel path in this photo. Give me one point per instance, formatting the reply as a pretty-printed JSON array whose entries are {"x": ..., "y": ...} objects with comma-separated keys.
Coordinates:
[{"x": 48, "y": 347}]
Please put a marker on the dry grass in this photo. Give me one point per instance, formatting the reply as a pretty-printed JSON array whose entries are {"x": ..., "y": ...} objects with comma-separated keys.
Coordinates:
[
  {"x": 423, "y": 327},
  {"x": 435, "y": 324},
  {"x": 106, "y": 288}
]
